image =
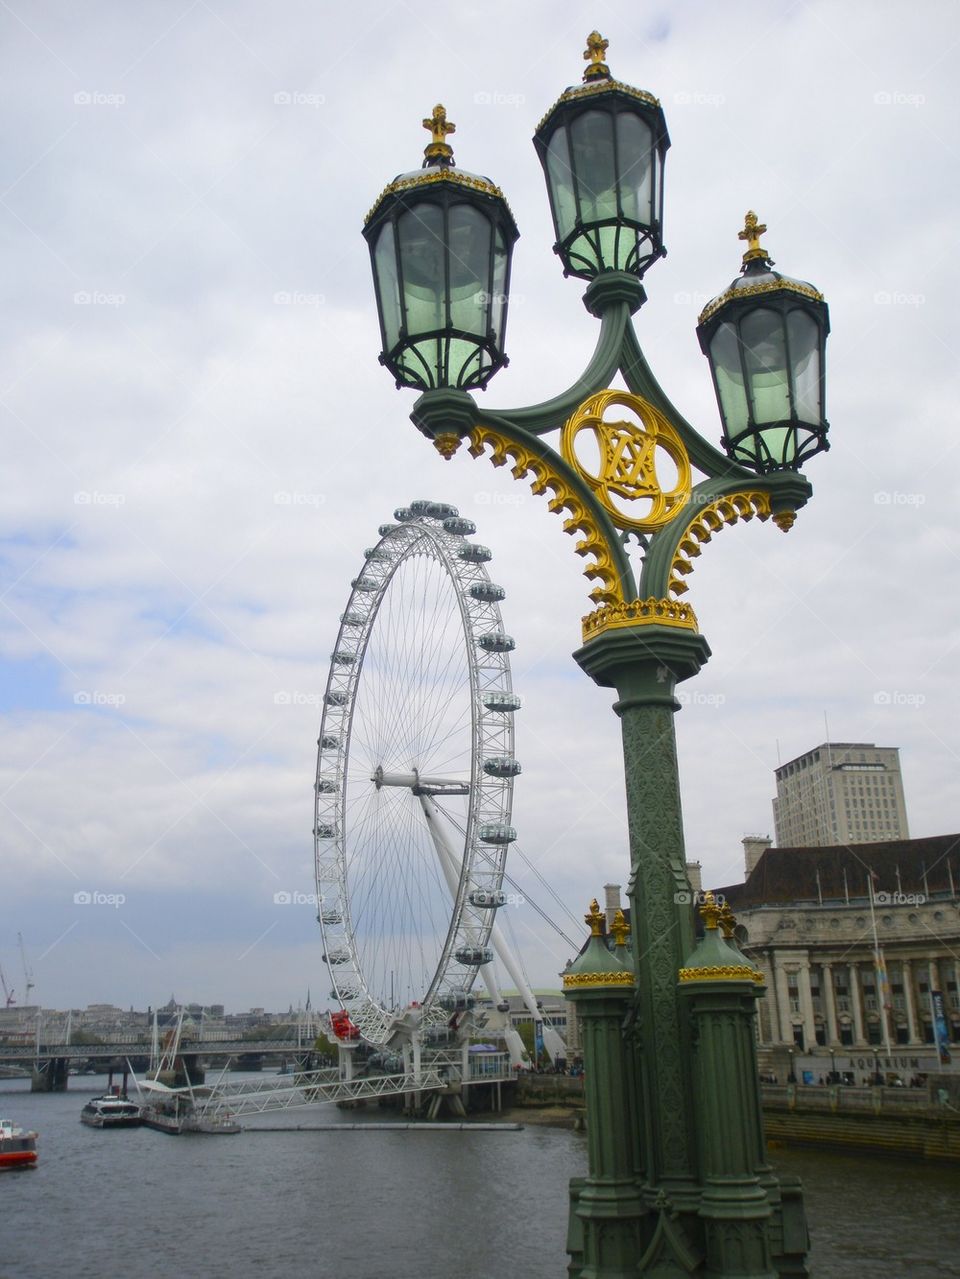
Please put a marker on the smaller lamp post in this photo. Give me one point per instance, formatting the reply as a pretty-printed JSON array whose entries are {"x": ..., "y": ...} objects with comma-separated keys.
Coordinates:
[
  {"x": 791, "y": 1076},
  {"x": 833, "y": 1066}
]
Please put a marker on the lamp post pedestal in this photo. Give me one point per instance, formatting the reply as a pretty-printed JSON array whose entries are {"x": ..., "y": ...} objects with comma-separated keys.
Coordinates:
[{"x": 606, "y": 1207}]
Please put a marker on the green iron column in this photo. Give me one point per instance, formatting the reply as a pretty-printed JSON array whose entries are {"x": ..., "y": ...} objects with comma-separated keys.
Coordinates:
[
  {"x": 644, "y": 663},
  {"x": 606, "y": 1206}
]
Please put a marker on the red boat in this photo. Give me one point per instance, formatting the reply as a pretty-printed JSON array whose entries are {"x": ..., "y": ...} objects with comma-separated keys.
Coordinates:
[{"x": 18, "y": 1149}]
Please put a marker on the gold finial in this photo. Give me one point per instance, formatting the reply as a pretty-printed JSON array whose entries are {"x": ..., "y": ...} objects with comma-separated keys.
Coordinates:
[
  {"x": 594, "y": 54},
  {"x": 728, "y": 921},
  {"x": 710, "y": 912},
  {"x": 595, "y": 918},
  {"x": 752, "y": 231},
  {"x": 620, "y": 929},
  {"x": 446, "y": 444},
  {"x": 439, "y": 126}
]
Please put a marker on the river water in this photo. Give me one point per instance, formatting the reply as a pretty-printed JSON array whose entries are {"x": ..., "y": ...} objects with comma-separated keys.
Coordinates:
[{"x": 136, "y": 1203}]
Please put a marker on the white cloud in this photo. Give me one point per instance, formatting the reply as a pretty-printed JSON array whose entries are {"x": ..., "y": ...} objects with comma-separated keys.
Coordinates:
[{"x": 200, "y": 397}]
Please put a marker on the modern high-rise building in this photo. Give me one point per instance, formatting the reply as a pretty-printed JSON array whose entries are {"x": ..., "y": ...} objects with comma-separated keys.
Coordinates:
[{"x": 840, "y": 793}]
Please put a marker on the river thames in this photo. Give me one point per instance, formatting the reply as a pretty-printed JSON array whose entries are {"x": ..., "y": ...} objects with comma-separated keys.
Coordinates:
[{"x": 430, "y": 1205}]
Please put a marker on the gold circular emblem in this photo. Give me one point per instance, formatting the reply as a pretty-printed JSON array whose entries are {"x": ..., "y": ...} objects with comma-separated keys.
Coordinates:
[{"x": 619, "y": 459}]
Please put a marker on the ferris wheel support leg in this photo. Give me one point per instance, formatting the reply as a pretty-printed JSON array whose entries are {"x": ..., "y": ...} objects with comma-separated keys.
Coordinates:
[
  {"x": 451, "y": 872},
  {"x": 345, "y": 1055}
]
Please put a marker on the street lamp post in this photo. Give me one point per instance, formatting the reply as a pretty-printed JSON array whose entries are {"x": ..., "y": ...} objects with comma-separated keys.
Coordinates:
[{"x": 679, "y": 1183}]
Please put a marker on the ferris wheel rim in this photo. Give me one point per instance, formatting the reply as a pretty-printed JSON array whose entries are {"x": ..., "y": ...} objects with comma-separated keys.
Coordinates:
[{"x": 486, "y": 648}]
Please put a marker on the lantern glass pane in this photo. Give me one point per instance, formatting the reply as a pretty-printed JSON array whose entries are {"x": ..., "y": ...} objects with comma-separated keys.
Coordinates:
[
  {"x": 470, "y": 293},
  {"x": 728, "y": 371},
  {"x": 635, "y": 147},
  {"x": 385, "y": 265},
  {"x": 765, "y": 357},
  {"x": 803, "y": 335},
  {"x": 420, "y": 232},
  {"x": 593, "y": 163},
  {"x": 499, "y": 302},
  {"x": 561, "y": 183}
]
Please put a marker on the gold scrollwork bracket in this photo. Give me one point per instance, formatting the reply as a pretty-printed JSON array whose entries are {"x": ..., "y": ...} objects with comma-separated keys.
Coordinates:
[
  {"x": 546, "y": 480},
  {"x": 713, "y": 518}
]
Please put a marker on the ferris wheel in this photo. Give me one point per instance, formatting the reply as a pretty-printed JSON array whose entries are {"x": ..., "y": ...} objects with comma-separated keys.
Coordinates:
[{"x": 414, "y": 783}]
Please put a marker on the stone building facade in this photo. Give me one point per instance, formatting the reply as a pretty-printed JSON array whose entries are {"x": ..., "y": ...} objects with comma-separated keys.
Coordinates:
[{"x": 860, "y": 947}]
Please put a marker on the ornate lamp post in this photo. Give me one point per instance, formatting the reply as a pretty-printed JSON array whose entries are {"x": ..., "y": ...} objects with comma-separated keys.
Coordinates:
[{"x": 668, "y": 1194}]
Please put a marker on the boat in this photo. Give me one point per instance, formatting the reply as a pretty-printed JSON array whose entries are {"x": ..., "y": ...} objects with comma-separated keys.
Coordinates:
[
  {"x": 111, "y": 1111},
  {"x": 18, "y": 1149},
  {"x": 175, "y": 1111}
]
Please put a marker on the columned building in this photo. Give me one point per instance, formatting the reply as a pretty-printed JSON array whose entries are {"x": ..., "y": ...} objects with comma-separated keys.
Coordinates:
[
  {"x": 840, "y": 793},
  {"x": 860, "y": 950}
]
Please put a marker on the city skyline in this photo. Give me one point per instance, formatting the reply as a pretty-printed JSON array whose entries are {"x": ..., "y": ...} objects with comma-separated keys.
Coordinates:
[{"x": 200, "y": 445}]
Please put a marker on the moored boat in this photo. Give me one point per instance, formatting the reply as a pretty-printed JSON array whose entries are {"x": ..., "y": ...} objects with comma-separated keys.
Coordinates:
[
  {"x": 18, "y": 1149},
  {"x": 111, "y": 1111}
]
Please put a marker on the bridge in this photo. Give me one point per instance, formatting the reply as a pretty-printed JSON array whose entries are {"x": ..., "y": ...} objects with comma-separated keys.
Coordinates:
[
  {"x": 443, "y": 1076},
  {"x": 209, "y": 1048}
]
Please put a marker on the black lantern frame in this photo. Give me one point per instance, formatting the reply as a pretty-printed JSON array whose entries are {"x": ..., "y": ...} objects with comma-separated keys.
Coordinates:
[
  {"x": 765, "y": 340},
  {"x": 603, "y": 147},
  {"x": 441, "y": 243}
]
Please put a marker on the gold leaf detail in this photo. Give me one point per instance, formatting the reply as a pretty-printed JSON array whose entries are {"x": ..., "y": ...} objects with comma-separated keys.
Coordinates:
[
  {"x": 446, "y": 444},
  {"x": 638, "y": 613},
  {"x": 428, "y": 177},
  {"x": 624, "y": 978},
  {"x": 726, "y": 972},
  {"x": 628, "y": 454},
  {"x": 561, "y": 499},
  {"x": 755, "y": 290}
]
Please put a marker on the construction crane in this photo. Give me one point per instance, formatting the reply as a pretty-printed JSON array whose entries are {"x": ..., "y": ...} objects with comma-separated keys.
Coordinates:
[
  {"x": 8, "y": 992},
  {"x": 28, "y": 982}
]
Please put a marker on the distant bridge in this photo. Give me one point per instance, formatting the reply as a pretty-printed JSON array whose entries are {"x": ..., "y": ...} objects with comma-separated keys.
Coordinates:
[{"x": 208, "y": 1048}]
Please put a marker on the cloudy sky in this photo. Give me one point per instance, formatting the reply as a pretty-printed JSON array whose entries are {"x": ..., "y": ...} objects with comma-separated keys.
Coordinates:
[{"x": 189, "y": 331}]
